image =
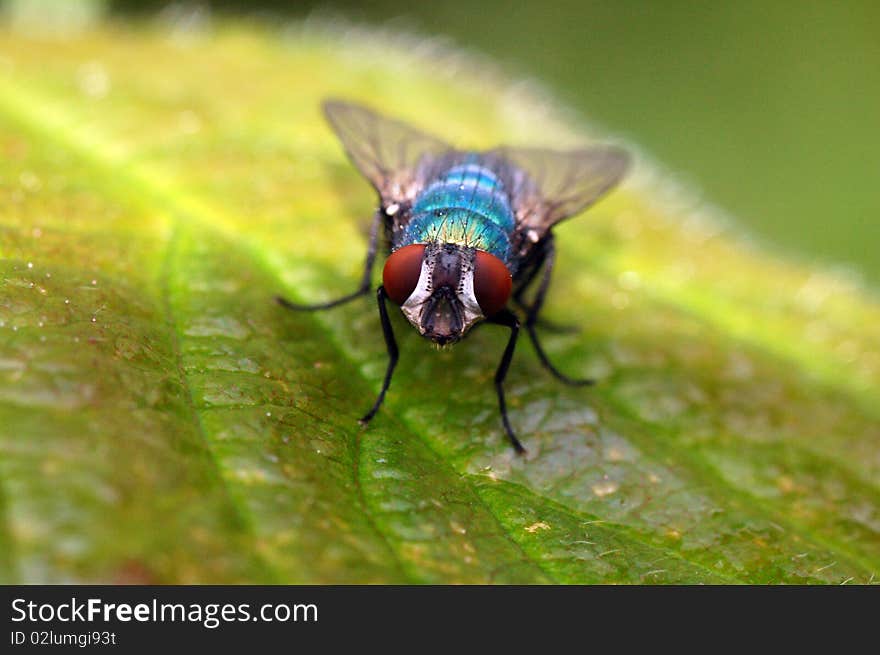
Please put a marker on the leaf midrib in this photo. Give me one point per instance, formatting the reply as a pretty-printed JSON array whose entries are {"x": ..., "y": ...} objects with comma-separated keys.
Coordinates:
[{"x": 165, "y": 275}]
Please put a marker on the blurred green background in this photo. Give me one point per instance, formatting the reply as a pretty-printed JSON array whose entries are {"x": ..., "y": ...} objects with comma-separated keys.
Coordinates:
[{"x": 771, "y": 109}]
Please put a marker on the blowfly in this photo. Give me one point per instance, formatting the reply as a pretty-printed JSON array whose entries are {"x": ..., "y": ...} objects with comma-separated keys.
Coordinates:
[{"x": 467, "y": 233}]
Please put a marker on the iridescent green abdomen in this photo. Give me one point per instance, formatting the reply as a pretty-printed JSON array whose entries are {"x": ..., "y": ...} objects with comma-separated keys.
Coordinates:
[{"x": 467, "y": 206}]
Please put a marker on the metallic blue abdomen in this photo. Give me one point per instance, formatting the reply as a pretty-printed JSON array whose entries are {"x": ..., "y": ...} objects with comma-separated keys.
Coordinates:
[{"x": 468, "y": 206}]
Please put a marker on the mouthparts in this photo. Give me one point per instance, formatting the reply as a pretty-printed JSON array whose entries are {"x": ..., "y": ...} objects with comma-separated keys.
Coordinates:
[{"x": 442, "y": 317}]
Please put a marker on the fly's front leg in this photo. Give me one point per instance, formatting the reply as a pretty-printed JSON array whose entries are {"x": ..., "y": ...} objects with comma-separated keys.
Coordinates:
[
  {"x": 507, "y": 319},
  {"x": 364, "y": 287},
  {"x": 548, "y": 260},
  {"x": 391, "y": 345}
]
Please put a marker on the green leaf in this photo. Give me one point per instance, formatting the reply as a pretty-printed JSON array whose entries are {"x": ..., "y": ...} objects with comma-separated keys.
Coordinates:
[{"x": 162, "y": 420}]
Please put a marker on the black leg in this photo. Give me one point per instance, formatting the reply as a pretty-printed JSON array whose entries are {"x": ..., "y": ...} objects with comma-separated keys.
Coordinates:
[
  {"x": 544, "y": 324},
  {"x": 520, "y": 301},
  {"x": 532, "y": 273},
  {"x": 364, "y": 287},
  {"x": 391, "y": 344},
  {"x": 548, "y": 259},
  {"x": 559, "y": 375},
  {"x": 507, "y": 319}
]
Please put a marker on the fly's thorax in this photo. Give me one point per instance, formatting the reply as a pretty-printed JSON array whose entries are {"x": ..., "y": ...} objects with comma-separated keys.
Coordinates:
[
  {"x": 467, "y": 205},
  {"x": 443, "y": 306},
  {"x": 460, "y": 226}
]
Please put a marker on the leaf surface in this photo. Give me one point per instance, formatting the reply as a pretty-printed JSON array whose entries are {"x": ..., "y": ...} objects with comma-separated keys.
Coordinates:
[{"x": 162, "y": 420}]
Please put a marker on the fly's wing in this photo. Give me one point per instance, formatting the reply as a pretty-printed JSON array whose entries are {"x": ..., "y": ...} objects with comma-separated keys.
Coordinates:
[
  {"x": 547, "y": 186},
  {"x": 393, "y": 156}
]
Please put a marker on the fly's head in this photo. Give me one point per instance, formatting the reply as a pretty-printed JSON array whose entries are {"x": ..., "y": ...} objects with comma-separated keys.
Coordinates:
[{"x": 444, "y": 289}]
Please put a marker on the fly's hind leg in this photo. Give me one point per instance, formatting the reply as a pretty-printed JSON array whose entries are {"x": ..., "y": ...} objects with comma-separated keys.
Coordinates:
[
  {"x": 546, "y": 261},
  {"x": 364, "y": 287}
]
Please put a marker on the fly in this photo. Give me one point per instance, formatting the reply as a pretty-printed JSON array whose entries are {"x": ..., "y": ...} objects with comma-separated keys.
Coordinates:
[{"x": 466, "y": 231}]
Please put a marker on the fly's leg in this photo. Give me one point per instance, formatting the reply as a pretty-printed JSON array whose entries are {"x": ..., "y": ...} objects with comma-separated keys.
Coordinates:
[
  {"x": 391, "y": 344},
  {"x": 507, "y": 319},
  {"x": 364, "y": 287},
  {"x": 550, "y": 326},
  {"x": 548, "y": 258}
]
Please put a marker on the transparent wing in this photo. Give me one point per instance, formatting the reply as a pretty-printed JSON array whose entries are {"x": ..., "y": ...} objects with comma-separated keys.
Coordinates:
[
  {"x": 390, "y": 154},
  {"x": 548, "y": 185}
]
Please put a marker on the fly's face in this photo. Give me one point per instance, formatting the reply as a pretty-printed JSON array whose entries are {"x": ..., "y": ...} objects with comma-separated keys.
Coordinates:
[{"x": 445, "y": 289}]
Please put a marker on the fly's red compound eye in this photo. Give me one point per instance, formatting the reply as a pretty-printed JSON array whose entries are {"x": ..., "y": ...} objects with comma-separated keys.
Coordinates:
[
  {"x": 492, "y": 283},
  {"x": 402, "y": 270}
]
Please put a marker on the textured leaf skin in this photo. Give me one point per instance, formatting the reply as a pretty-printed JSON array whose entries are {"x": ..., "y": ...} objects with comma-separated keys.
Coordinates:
[{"x": 162, "y": 420}]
